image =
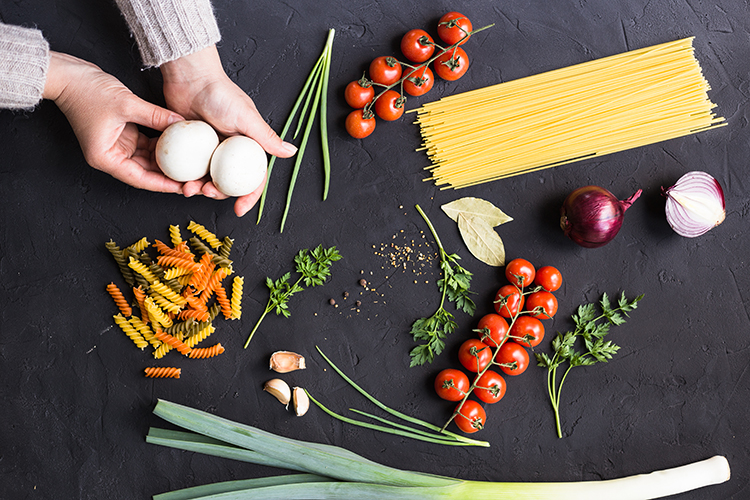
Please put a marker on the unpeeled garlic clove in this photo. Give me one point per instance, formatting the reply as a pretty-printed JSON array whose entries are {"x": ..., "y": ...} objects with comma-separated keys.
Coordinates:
[
  {"x": 286, "y": 361},
  {"x": 300, "y": 401},
  {"x": 279, "y": 389}
]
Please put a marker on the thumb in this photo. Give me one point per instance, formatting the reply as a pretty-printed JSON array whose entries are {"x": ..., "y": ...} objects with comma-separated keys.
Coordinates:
[
  {"x": 150, "y": 115},
  {"x": 255, "y": 126}
]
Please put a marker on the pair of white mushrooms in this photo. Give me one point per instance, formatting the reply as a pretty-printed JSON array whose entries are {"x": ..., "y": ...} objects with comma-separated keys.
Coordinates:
[{"x": 189, "y": 150}]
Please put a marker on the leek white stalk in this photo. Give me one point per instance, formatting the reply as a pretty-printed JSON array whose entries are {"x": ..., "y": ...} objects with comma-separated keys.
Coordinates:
[{"x": 336, "y": 473}]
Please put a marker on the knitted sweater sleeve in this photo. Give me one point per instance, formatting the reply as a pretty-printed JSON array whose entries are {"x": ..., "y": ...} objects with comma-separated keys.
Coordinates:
[
  {"x": 166, "y": 30},
  {"x": 24, "y": 61}
]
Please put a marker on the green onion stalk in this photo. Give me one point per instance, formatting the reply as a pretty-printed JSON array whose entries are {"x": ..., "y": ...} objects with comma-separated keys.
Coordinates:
[
  {"x": 315, "y": 89},
  {"x": 331, "y": 472}
]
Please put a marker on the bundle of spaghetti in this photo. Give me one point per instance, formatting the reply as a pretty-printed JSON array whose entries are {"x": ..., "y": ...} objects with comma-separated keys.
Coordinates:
[
  {"x": 162, "y": 372},
  {"x": 583, "y": 111}
]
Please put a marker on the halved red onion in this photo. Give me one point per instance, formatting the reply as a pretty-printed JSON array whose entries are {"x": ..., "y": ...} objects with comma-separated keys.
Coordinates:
[{"x": 695, "y": 204}]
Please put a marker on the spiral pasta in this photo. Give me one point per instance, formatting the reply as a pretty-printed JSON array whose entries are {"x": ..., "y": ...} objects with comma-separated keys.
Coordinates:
[
  {"x": 204, "y": 234},
  {"x": 236, "y": 301},
  {"x": 174, "y": 235},
  {"x": 178, "y": 344},
  {"x": 206, "y": 352},
  {"x": 223, "y": 300},
  {"x": 139, "y": 246},
  {"x": 145, "y": 331},
  {"x": 119, "y": 299},
  {"x": 142, "y": 269},
  {"x": 200, "y": 336},
  {"x": 163, "y": 372},
  {"x": 122, "y": 262},
  {"x": 156, "y": 314},
  {"x": 130, "y": 331}
]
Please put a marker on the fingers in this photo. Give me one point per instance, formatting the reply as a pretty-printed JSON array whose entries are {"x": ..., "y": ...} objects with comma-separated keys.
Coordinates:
[
  {"x": 150, "y": 115},
  {"x": 245, "y": 203},
  {"x": 259, "y": 130}
]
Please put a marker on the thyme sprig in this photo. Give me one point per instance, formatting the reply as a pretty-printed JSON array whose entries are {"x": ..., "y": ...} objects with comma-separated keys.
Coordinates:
[
  {"x": 592, "y": 329},
  {"x": 454, "y": 286},
  {"x": 313, "y": 266}
]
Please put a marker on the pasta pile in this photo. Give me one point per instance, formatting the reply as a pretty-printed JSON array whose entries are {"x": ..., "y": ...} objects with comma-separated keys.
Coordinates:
[
  {"x": 565, "y": 115},
  {"x": 177, "y": 295}
]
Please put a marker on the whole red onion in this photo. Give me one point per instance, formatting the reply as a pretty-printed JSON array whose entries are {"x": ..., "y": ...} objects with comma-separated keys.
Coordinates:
[{"x": 591, "y": 216}]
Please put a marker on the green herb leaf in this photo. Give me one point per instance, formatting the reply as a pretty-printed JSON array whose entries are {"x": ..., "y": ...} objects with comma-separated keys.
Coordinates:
[{"x": 591, "y": 329}]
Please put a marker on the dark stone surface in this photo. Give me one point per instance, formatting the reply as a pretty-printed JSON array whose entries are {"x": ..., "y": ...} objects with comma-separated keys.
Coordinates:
[{"x": 75, "y": 403}]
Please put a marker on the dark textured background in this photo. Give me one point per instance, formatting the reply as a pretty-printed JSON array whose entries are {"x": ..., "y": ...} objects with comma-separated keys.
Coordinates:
[{"x": 75, "y": 406}]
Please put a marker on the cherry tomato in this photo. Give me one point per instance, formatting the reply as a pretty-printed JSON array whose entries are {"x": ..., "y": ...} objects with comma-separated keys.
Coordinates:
[
  {"x": 513, "y": 358},
  {"x": 385, "y": 70},
  {"x": 492, "y": 329},
  {"x": 508, "y": 301},
  {"x": 453, "y": 27},
  {"x": 360, "y": 123},
  {"x": 471, "y": 417},
  {"x": 548, "y": 278},
  {"x": 452, "y": 65},
  {"x": 452, "y": 385},
  {"x": 520, "y": 272},
  {"x": 417, "y": 45},
  {"x": 542, "y": 299},
  {"x": 358, "y": 93},
  {"x": 390, "y": 105},
  {"x": 490, "y": 387},
  {"x": 474, "y": 355},
  {"x": 419, "y": 81},
  {"x": 527, "y": 331}
]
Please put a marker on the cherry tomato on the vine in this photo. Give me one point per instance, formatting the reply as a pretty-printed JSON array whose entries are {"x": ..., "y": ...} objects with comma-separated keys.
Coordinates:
[
  {"x": 385, "y": 70},
  {"x": 549, "y": 278},
  {"x": 474, "y": 355},
  {"x": 417, "y": 45},
  {"x": 471, "y": 416},
  {"x": 358, "y": 93},
  {"x": 513, "y": 358},
  {"x": 492, "y": 329},
  {"x": 527, "y": 331},
  {"x": 360, "y": 123},
  {"x": 390, "y": 105},
  {"x": 544, "y": 300},
  {"x": 520, "y": 272},
  {"x": 451, "y": 384},
  {"x": 453, "y": 27},
  {"x": 508, "y": 301},
  {"x": 452, "y": 64},
  {"x": 419, "y": 81},
  {"x": 490, "y": 387}
]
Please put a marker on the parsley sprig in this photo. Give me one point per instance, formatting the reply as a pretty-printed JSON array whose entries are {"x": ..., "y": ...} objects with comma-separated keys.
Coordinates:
[
  {"x": 313, "y": 266},
  {"x": 454, "y": 286},
  {"x": 592, "y": 329}
]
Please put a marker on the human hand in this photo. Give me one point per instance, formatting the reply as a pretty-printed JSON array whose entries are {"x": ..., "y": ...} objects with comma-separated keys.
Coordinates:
[
  {"x": 105, "y": 116},
  {"x": 197, "y": 87}
]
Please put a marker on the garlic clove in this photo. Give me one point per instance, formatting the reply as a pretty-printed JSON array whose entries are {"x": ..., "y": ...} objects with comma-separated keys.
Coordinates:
[
  {"x": 286, "y": 361},
  {"x": 279, "y": 389},
  {"x": 300, "y": 401}
]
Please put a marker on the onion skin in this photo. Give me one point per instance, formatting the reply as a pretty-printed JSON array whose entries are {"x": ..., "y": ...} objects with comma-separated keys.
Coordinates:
[
  {"x": 695, "y": 204},
  {"x": 591, "y": 216}
]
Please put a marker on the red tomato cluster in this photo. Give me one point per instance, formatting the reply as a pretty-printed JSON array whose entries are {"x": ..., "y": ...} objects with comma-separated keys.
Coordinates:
[
  {"x": 413, "y": 77},
  {"x": 504, "y": 336}
]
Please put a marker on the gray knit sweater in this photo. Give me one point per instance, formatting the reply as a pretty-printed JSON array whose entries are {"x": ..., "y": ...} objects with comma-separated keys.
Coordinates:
[{"x": 164, "y": 30}]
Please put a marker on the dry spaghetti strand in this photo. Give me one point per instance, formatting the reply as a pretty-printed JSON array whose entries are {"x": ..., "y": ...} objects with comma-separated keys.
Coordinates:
[{"x": 582, "y": 111}]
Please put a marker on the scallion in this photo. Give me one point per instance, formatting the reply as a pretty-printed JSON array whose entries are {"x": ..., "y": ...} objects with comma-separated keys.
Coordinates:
[{"x": 353, "y": 476}]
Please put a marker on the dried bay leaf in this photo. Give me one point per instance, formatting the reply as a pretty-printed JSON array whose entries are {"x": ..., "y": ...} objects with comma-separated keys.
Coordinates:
[
  {"x": 481, "y": 239},
  {"x": 476, "y": 207}
]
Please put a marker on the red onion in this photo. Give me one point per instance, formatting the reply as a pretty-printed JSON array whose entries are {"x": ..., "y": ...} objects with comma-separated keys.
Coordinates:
[
  {"x": 591, "y": 216},
  {"x": 695, "y": 204}
]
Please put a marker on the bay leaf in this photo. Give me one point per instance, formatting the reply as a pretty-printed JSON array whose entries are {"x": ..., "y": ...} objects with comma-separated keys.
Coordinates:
[
  {"x": 481, "y": 239},
  {"x": 476, "y": 207}
]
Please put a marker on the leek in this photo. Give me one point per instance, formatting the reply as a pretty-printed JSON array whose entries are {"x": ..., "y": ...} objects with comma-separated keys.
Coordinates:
[{"x": 332, "y": 472}]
